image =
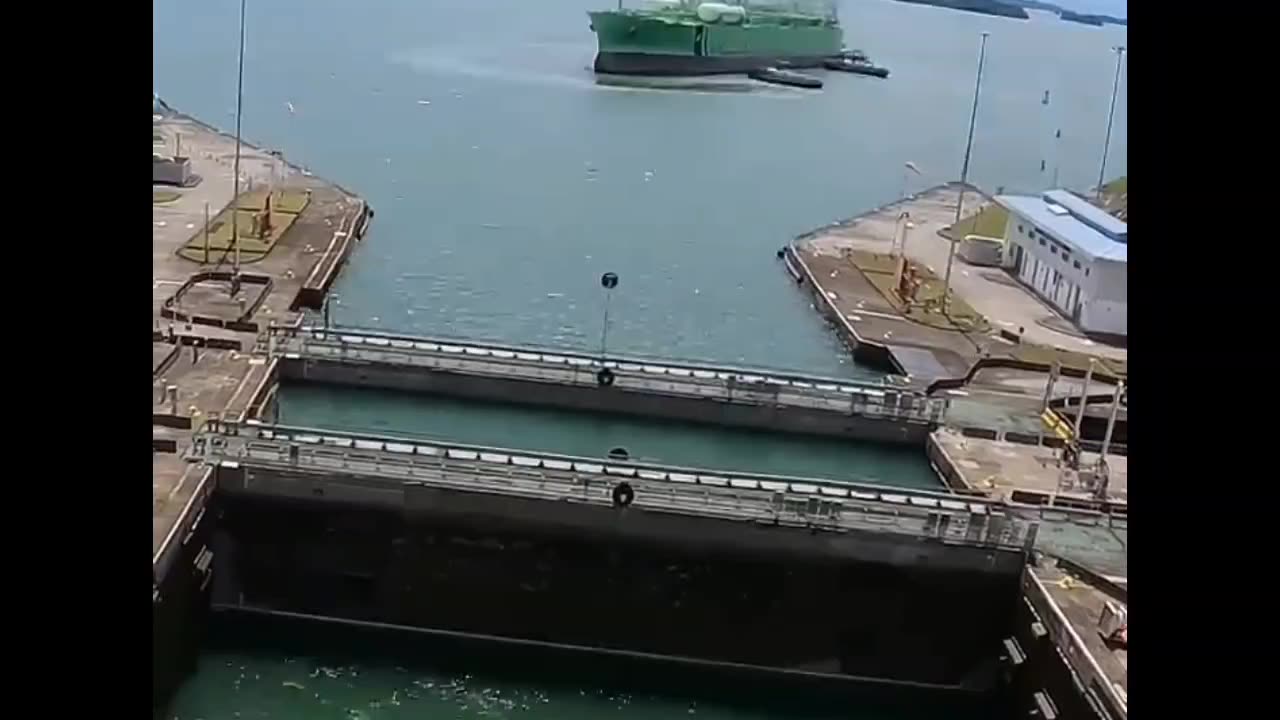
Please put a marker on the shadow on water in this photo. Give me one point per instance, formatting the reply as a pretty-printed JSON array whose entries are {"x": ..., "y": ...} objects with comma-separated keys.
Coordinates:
[
  {"x": 412, "y": 673},
  {"x": 721, "y": 84},
  {"x": 538, "y": 71}
]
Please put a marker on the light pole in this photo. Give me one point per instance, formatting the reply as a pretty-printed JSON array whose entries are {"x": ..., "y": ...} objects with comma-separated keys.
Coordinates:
[
  {"x": 964, "y": 172},
  {"x": 1111, "y": 116},
  {"x": 907, "y": 168},
  {"x": 235, "y": 168},
  {"x": 904, "y": 217}
]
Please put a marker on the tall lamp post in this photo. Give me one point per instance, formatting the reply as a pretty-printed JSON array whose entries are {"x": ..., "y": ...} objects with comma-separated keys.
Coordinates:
[
  {"x": 235, "y": 168},
  {"x": 907, "y": 168},
  {"x": 1111, "y": 116},
  {"x": 964, "y": 172}
]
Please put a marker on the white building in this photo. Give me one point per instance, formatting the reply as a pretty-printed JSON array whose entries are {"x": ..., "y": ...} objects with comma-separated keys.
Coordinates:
[{"x": 1072, "y": 254}]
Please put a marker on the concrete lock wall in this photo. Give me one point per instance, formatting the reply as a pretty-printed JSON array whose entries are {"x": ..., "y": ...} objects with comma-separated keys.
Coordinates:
[
  {"x": 1040, "y": 676},
  {"x": 700, "y": 593},
  {"x": 606, "y": 400},
  {"x": 179, "y": 606},
  {"x": 865, "y": 351}
]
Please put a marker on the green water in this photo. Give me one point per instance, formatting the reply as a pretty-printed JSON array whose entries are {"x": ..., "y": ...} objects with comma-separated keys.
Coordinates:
[
  {"x": 526, "y": 428},
  {"x": 506, "y": 180},
  {"x": 286, "y": 669},
  {"x": 247, "y": 686}
]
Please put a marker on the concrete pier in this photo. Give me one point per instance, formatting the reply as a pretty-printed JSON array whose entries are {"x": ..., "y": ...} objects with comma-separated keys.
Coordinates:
[
  {"x": 202, "y": 335},
  {"x": 205, "y": 319},
  {"x": 739, "y": 397},
  {"x": 1027, "y": 473},
  {"x": 847, "y": 267},
  {"x": 1060, "y": 662}
]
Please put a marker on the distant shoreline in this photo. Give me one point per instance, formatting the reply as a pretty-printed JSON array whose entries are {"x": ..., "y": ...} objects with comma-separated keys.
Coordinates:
[
  {"x": 984, "y": 7},
  {"x": 1017, "y": 9}
]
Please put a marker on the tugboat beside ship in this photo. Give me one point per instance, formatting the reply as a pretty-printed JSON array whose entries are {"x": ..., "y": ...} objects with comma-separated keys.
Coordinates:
[{"x": 757, "y": 37}]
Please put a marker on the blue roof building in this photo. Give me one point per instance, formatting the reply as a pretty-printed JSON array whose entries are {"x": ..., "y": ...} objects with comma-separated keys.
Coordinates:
[{"x": 1073, "y": 255}]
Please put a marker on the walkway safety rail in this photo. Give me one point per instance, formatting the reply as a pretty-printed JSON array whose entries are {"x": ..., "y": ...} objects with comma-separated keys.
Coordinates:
[
  {"x": 731, "y": 384},
  {"x": 767, "y": 499}
]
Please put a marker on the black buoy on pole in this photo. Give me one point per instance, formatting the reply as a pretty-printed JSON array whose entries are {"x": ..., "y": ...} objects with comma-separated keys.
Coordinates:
[{"x": 608, "y": 281}]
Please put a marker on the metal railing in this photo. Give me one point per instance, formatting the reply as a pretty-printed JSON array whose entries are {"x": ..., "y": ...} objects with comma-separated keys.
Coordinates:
[
  {"x": 735, "y": 385},
  {"x": 396, "y": 464},
  {"x": 1073, "y": 648}
]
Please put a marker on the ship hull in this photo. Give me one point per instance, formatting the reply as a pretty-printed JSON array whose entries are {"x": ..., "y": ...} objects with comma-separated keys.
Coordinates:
[{"x": 619, "y": 63}]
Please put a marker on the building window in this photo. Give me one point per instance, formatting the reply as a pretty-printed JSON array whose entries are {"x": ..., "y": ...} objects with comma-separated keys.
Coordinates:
[
  {"x": 1053, "y": 249},
  {"x": 1042, "y": 242},
  {"x": 1086, "y": 272},
  {"x": 1077, "y": 264},
  {"x": 1020, "y": 229}
]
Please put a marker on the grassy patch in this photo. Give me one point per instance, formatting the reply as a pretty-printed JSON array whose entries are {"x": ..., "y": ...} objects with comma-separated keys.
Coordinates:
[
  {"x": 879, "y": 269},
  {"x": 291, "y": 202},
  {"x": 160, "y": 197},
  {"x": 988, "y": 222},
  {"x": 1118, "y": 186},
  {"x": 1115, "y": 198},
  {"x": 285, "y": 208}
]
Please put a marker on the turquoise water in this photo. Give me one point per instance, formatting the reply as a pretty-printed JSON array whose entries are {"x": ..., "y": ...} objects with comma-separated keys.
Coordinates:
[
  {"x": 594, "y": 435},
  {"x": 248, "y": 686},
  {"x": 506, "y": 181}
]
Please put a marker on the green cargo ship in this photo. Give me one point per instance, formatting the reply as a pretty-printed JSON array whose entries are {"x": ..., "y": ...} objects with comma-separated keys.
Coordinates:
[{"x": 688, "y": 37}]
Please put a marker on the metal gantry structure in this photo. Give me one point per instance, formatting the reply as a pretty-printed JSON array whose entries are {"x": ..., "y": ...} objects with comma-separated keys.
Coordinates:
[
  {"x": 386, "y": 468},
  {"x": 583, "y": 368}
]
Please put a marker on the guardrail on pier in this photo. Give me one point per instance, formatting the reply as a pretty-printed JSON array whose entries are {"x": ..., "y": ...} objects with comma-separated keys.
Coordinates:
[
  {"x": 728, "y": 384},
  {"x": 391, "y": 463},
  {"x": 1074, "y": 651}
]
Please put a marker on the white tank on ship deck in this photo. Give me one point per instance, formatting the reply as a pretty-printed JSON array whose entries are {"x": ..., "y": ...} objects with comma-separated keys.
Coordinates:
[{"x": 712, "y": 12}]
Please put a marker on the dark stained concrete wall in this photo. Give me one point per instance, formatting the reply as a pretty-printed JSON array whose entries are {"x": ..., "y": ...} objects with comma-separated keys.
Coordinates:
[{"x": 533, "y": 580}]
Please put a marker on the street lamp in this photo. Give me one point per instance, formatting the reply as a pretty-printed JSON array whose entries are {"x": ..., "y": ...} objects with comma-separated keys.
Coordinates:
[
  {"x": 901, "y": 226},
  {"x": 908, "y": 168},
  {"x": 964, "y": 170},
  {"x": 1111, "y": 116},
  {"x": 235, "y": 168}
]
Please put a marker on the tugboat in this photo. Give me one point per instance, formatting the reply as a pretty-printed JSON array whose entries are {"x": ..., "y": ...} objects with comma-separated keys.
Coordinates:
[
  {"x": 778, "y": 76},
  {"x": 857, "y": 67}
]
